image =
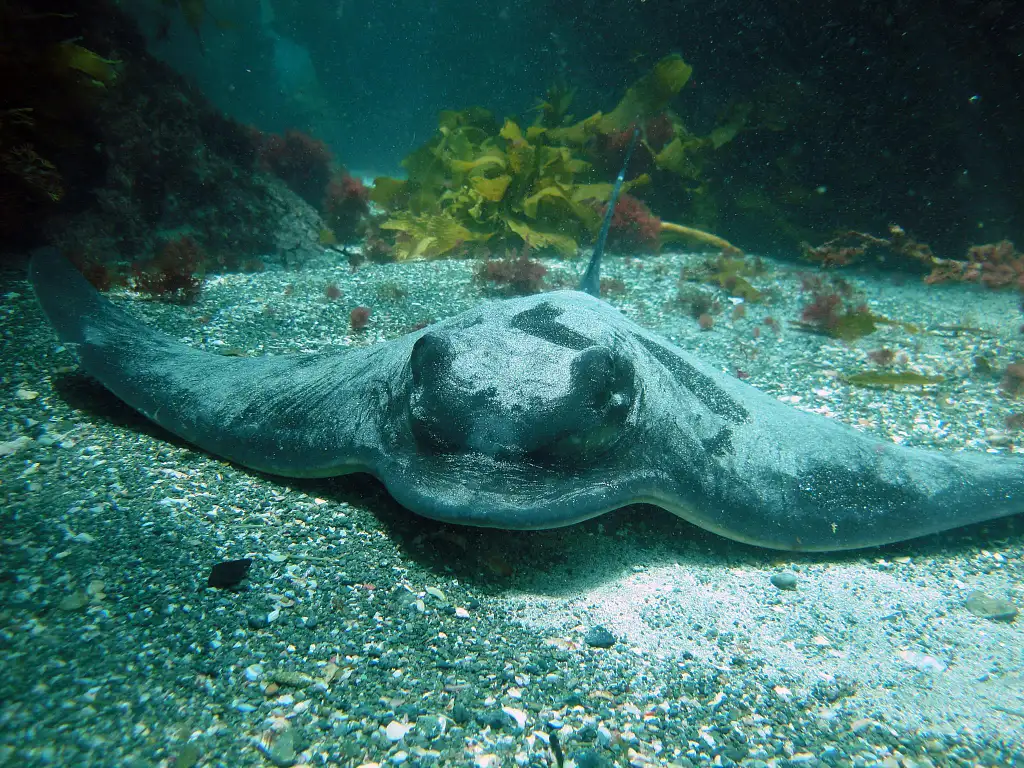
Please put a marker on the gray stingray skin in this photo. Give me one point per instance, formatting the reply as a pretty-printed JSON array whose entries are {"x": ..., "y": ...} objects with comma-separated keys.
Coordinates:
[{"x": 535, "y": 413}]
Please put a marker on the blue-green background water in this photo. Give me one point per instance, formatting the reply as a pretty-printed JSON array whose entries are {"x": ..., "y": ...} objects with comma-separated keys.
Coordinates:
[
  {"x": 906, "y": 112},
  {"x": 359, "y": 621}
]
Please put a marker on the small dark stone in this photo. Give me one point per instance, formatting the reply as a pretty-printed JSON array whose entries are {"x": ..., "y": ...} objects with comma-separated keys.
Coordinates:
[
  {"x": 591, "y": 759},
  {"x": 784, "y": 580},
  {"x": 497, "y": 720},
  {"x": 258, "y": 620},
  {"x": 461, "y": 713},
  {"x": 229, "y": 573},
  {"x": 410, "y": 711},
  {"x": 361, "y": 711},
  {"x": 599, "y": 637}
]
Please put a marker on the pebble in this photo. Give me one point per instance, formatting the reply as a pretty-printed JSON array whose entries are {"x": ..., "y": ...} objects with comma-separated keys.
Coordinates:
[
  {"x": 922, "y": 661},
  {"x": 432, "y": 726},
  {"x": 599, "y": 637},
  {"x": 11, "y": 447},
  {"x": 254, "y": 673},
  {"x": 76, "y": 601},
  {"x": 517, "y": 715},
  {"x": 436, "y": 593},
  {"x": 784, "y": 580},
  {"x": 188, "y": 756},
  {"x": 396, "y": 731},
  {"x": 282, "y": 752},
  {"x": 992, "y": 608},
  {"x": 461, "y": 713}
]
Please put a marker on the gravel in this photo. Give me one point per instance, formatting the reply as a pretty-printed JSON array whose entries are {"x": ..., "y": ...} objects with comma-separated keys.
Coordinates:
[{"x": 364, "y": 635}]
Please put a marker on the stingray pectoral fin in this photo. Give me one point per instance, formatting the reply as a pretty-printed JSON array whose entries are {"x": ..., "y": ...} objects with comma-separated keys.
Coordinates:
[
  {"x": 802, "y": 482},
  {"x": 740, "y": 463},
  {"x": 294, "y": 415}
]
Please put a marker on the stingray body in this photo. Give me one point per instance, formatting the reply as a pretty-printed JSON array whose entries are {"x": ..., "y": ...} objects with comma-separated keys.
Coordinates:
[{"x": 533, "y": 413}]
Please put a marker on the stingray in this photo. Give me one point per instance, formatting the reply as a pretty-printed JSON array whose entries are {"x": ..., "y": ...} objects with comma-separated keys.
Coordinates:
[{"x": 534, "y": 413}]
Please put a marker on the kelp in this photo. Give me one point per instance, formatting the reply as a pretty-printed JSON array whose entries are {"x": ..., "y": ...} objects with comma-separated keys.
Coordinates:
[
  {"x": 427, "y": 236},
  {"x": 730, "y": 274},
  {"x": 511, "y": 185},
  {"x": 100, "y": 72},
  {"x": 474, "y": 182},
  {"x": 553, "y": 109},
  {"x": 891, "y": 380},
  {"x": 853, "y": 324},
  {"x": 649, "y": 95}
]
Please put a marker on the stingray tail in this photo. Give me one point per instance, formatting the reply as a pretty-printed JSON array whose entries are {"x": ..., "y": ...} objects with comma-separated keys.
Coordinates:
[
  {"x": 108, "y": 342},
  {"x": 591, "y": 282},
  {"x": 67, "y": 298}
]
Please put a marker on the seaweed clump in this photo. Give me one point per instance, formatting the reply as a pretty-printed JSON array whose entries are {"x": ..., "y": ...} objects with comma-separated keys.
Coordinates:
[
  {"x": 478, "y": 184},
  {"x": 993, "y": 265},
  {"x": 301, "y": 161},
  {"x": 835, "y": 310},
  {"x": 52, "y": 82},
  {"x": 174, "y": 274},
  {"x": 892, "y": 379},
  {"x": 730, "y": 274},
  {"x": 515, "y": 274}
]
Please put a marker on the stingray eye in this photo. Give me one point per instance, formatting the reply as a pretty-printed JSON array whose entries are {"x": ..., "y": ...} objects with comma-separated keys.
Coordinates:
[
  {"x": 599, "y": 403},
  {"x": 602, "y": 380},
  {"x": 431, "y": 354}
]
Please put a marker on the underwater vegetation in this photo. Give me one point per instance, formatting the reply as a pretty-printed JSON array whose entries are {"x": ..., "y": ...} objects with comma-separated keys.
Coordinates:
[
  {"x": 835, "y": 310},
  {"x": 996, "y": 266},
  {"x": 478, "y": 184},
  {"x": 175, "y": 273},
  {"x": 730, "y": 274},
  {"x": 302, "y": 162},
  {"x": 47, "y": 116},
  {"x": 515, "y": 274},
  {"x": 308, "y": 167}
]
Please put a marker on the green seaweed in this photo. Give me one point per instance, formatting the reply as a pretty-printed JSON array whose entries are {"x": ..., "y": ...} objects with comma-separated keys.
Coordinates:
[
  {"x": 649, "y": 95},
  {"x": 509, "y": 185},
  {"x": 553, "y": 109},
  {"x": 854, "y": 324},
  {"x": 891, "y": 380},
  {"x": 475, "y": 182},
  {"x": 730, "y": 274}
]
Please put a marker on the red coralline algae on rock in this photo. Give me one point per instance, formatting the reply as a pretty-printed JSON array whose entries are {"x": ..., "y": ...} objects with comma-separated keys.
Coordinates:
[
  {"x": 346, "y": 205},
  {"x": 359, "y": 318},
  {"x": 517, "y": 275},
  {"x": 174, "y": 274},
  {"x": 634, "y": 228},
  {"x": 301, "y": 161}
]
